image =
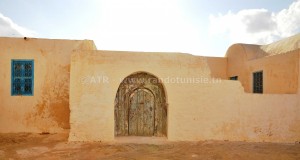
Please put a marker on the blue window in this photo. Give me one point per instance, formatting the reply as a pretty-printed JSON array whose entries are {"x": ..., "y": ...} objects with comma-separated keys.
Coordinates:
[{"x": 22, "y": 72}]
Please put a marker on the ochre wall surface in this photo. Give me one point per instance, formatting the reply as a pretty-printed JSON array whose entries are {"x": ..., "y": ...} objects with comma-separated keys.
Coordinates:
[
  {"x": 209, "y": 108},
  {"x": 72, "y": 76},
  {"x": 48, "y": 109},
  {"x": 280, "y": 72},
  {"x": 92, "y": 101}
]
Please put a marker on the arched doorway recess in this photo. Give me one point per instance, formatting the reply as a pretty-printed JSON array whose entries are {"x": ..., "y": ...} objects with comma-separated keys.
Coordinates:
[{"x": 140, "y": 106}]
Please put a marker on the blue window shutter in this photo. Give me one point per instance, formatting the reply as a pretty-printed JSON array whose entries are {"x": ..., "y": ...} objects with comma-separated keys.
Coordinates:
[{"x": 22, "y": 77}]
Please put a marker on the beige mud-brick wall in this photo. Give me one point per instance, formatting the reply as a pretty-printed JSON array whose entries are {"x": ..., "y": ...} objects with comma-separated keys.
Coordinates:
[
  {"x": 223, "y": 111},
  {"x": 280, "y": 72},
  {"x": 48, "y": 109},
  {"x": 196, "y": 111},
  {"x": 92, "y": 104}
]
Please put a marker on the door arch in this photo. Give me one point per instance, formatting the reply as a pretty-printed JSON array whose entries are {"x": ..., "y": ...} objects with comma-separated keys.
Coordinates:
[{"x": 140, "y": 106}]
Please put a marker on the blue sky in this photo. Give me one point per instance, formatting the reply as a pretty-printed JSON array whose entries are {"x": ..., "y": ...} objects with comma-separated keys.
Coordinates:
[{"x": 199, "y": 27}]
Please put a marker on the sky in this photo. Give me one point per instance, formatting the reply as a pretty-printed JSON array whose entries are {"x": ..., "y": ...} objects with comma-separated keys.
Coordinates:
[{"x": 198, "y": 27}]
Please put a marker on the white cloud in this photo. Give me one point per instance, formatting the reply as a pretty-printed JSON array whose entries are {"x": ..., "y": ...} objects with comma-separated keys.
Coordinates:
[
  {"x": 257, "y": 25},
  {"x": 10, "y": 29}
]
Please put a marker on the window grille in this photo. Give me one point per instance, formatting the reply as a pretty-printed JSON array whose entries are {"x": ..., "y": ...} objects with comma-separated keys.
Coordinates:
[
  {"x": 22, "y": 77},
  {"x": 258, "y": 82}
]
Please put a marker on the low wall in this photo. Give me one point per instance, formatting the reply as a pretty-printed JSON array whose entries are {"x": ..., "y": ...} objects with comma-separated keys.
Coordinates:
[{"x": 224, "y": 112}]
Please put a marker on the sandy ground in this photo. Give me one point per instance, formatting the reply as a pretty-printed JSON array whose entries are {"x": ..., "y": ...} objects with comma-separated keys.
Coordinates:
[{"x": 55, "y": 146}]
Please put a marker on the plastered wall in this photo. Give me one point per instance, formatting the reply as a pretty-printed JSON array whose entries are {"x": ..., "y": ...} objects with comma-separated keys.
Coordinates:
[
  {"x": 225, "y": 112},
  {"x": 92, "y": 102},
  {"x": 210, "y": 109},
  {"x": 280, "y": 72},
  {"x": 48, "y": 109},
  {"x": 71, "y": 76}
]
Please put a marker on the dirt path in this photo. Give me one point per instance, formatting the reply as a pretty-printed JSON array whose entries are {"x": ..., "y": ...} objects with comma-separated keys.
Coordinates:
[{"x": 55, "y": 146}]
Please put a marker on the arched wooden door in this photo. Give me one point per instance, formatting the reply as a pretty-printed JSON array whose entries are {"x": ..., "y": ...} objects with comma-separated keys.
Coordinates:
[
  {"x": 140, "y": 107},
  {"x": 141, "y": 113}
]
